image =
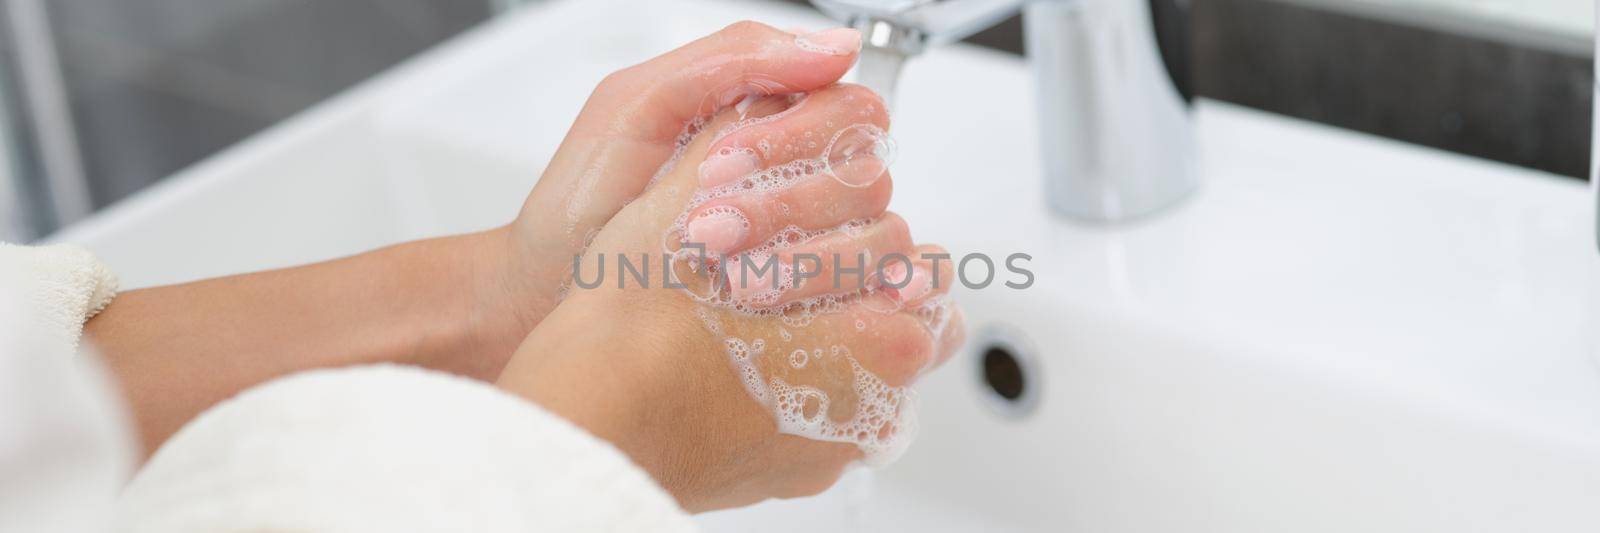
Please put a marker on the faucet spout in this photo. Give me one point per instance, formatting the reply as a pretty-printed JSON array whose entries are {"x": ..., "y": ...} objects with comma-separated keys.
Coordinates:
[
  {"x": 885, "y": 48},
  {"x": 1114, "y": 116},
  {"x": 879, "y": 69},
  {"x": 893, "y": 31},
  {"x": 936, "y": 22}
]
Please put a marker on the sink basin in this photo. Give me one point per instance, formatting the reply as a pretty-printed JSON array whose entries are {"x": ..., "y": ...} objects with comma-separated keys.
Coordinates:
[{"x": 1338, "y": 333}]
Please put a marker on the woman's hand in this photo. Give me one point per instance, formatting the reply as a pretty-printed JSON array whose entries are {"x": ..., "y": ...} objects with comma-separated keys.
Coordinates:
[
  {"x": 630, "y": 127},
  {"x": 729, "y": 391}
]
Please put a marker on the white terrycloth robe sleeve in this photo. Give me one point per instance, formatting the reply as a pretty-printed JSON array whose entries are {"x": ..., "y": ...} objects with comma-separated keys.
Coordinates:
[
  {"x": 390, "y": 448},
  {"x": 383, "y": 448},
  {"x": 65, "y": 448}
]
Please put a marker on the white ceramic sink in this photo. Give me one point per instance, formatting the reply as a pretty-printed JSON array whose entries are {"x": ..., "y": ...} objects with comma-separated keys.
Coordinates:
[{"x": 1338, "y": 333}]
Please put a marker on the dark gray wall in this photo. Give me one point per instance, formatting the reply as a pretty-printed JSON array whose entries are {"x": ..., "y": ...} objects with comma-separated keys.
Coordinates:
[
  {"x": 158, "y": 84},
  {"x": 1496, "y": 98}
]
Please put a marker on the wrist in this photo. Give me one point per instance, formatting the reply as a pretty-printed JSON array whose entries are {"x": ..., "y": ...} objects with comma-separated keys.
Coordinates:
[
  {"x": 620, "y": 372},
  {"x": 466, "y": 319},
  {"x": 505, "y": 299},
  {"x": 590, "y": 372},
  {"x": 563, "y": 364}
]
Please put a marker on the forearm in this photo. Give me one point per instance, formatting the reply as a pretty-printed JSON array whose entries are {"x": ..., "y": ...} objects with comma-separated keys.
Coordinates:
[{"x": 180, "y": 349}]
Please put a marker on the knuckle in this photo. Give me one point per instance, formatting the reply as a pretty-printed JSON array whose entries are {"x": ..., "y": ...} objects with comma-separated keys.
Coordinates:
[
  {"x": 919, "y": 349},
  {"x": 866, "y": 101},
  {"x": 910, "y": 348},
  {"x": 746, "y": 29},
  {"x": 617, "y": 82},
  {"x": 893, "y": 222},
  {"x": 895, "y": 230},
  {"x": 813, "y": 483},
  {"x": 879, "y": 195}
]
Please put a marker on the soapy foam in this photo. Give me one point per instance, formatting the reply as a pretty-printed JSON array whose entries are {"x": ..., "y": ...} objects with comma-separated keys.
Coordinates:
[
  {"x": 881, "y": 420},
  {"x": 799, "y": 358},
  {"x": 802, "y": 43},
  {"x": 854, "y": 141}
]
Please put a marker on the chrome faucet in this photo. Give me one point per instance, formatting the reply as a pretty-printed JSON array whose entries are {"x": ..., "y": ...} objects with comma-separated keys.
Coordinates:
[{"x": 1114, "y": 112}]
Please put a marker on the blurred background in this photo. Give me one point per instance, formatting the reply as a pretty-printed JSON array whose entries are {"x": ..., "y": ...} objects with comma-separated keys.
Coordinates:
[{"x": 102, "y": 98}]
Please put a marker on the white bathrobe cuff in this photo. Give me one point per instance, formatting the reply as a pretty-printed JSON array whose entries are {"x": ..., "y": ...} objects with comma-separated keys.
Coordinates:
[
  {"x": 390, "y": 448},
  {"x": 62, "y": 286}
]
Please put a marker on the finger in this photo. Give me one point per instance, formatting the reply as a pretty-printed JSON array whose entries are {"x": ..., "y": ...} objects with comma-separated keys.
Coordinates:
[
  {"x": 894, "y": 347},
  {"x": 742, "y": 59},
  {"x": 630, "y": 126},
  {"x": 815, "y": 154},
  {"x": 924, "y": 275},
  {"x": 842, "y": 124},
  {"x": 923, "y": 292},
  {"x": 839, "y": 261},
  {"x": 740, "y": 221}
]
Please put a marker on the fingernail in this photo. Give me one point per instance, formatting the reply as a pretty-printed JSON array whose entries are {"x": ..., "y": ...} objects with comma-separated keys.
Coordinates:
[
  {"x": 834, "y": 42},
  {"x": 921, "y": 282},
  {"x": 720, "y": 229},
  {"x": 894, "y": 276},
  {"x": 727, "y": 166}
]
